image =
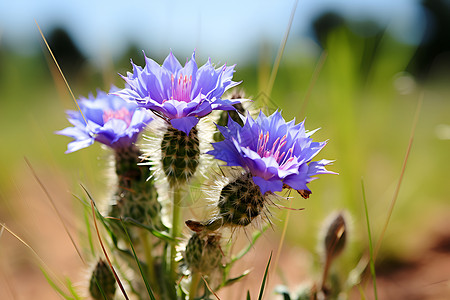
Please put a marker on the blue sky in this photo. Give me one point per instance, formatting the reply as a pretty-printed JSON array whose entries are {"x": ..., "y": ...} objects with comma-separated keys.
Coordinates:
[{"x": 219, "y": 29}]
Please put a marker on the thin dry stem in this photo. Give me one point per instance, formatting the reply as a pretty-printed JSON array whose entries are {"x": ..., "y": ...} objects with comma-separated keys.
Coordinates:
[
  {"x": 397, "y": 189},
  {"x": 61, "y": 219},
  {"x": 283, "y": 235},
  {"x": 209, "y": 288},
  {"x": 60, "y": 71},
  {"x": 41, "y": 261},
  {"x": 106, "y": 254},
  {"x": 276, "y": 65},
  {"x": 313, "y": 81}
]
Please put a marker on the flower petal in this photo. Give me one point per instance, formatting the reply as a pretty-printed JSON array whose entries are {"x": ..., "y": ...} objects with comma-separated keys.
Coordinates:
[
  {"x": 184, "y": 124},
  {"x": 268, "y": 185}
]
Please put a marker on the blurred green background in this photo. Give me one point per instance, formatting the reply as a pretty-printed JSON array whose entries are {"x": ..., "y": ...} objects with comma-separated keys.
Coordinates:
[{"x": 352, "y": 78}]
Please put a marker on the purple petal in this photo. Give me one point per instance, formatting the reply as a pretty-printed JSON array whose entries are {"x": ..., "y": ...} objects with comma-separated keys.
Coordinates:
[
  {"x": 268, "y": 185},
  {"x": 172, "y": 64},
  {"x": 226, "y": 152},
  {"x": 184, "y": 124},
  {"x": 298, "y": 181},
  {"x": 79, "y": 144}
]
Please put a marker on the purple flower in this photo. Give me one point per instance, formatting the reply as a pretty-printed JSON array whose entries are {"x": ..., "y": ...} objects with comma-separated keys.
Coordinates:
[
  {"x": 108, "y": 119},
  {"x": 277, "y": 154},
  {"x": 180, "y": 95}
]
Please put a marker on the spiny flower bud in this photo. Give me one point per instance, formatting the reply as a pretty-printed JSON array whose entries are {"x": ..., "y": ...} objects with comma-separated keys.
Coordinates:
[
  {"x": 180, "y": 155},
  {"x": 139, "y": 203},
  {"x": 240, "y": 201},
  {"x": 203, "y": 253},
  {"x": 102, "y": 284},
  {"x": 126, "y": 165},
  {"x": 136, "y": 196}
]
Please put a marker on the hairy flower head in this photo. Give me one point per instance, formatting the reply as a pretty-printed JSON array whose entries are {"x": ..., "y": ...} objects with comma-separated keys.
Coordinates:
[
  {"x": 107, "y": 119},
  {"x": 276, "y": 153},
  {"x": 179, "y": 95}
]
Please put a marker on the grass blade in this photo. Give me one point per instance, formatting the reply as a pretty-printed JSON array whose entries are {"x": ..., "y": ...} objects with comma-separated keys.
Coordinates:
[
  {"x": 230, "y": 281},
  {"x": 160, "y": 235},
  {"x": 103, "y": 247},
  {"x": 144, "y": 277},
  {"x": 209, "y": 288},
  {"x": 89, "y": 232},
  {"x": 43, "y": 266},
  {"x": 397, "y": 189},
  {"x": 313, "y": 81},
  {"x": 276, "y": 65},
  {"x": 372, "y": 265},
  {"x": 49, "y": 197},
  {"x": 60, "y": 71},
  {"x": 244, "y": 251},
  {"x": 54, "y": 285},
  {"x": 263, "y": 284},
  {"x": 283, "y": 234},
  {"x": 74, "y": 293}
]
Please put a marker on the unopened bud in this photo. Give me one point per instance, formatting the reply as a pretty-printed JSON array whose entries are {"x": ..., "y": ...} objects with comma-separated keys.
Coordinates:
[{"x": 102, "y": 284}]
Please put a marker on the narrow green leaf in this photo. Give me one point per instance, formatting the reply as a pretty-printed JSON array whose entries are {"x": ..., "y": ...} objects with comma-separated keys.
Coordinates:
[
  {"x": 230, "y": 281},
  {"x": 71, "y": 289},
  {"x": 89, "y": 232},
  {"x": 160, "y": 235},
  {"x": 54, "y": 285},
  {"x": 244, "y": 251},
  {"x": 147, "y": 285},
  {"x": 361, "y": 292},
  {"x": 263, "y": 284},
  {"x": 248, "y": 295},
  {"x": 372, "y": 265}
]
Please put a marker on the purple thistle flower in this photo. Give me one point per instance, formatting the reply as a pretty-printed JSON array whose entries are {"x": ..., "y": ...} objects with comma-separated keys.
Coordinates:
[
  {"x": 179, "y": 95},
  {"x": 110, "y": 121},
  {"x": 277, "y": 154}
]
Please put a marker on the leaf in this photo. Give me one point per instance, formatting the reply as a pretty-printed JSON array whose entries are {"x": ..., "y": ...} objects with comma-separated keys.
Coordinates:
[
  {"x": 158, "y": 234},
  {"x": 263, "y": 284},
  {"x": 230, "y": 281},
  {"x": 147, "y": 285},
  {"x": 71, "y": 289},
  {"x": 54, "y": 285},
  {"x": 244, "y": 251},
  {"x": 372, "y": 265}
]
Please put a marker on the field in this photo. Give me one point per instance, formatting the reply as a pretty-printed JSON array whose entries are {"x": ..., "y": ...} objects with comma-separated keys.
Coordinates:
[{"x": 369, "y": 110}]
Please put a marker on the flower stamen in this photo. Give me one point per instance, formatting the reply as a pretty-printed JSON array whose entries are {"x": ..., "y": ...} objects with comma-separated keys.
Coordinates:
[
  {"x": 282, "y": 158},
  {"x": 181, "y": 89},
  {"x": 121, "y": 114}
]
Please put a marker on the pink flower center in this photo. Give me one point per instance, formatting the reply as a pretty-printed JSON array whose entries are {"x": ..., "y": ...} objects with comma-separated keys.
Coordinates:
[
  {"x": 181, "y": 88},
  {"x": 283, "y": 158},
  {"x": 121, "y": 114}
]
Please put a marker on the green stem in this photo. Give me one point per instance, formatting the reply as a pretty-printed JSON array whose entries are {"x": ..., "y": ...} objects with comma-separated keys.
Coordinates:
[
  {"x": 176, "y": 214},
  {"x": 195, "y": 280},
  {"x": 147, "y": 245}
]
